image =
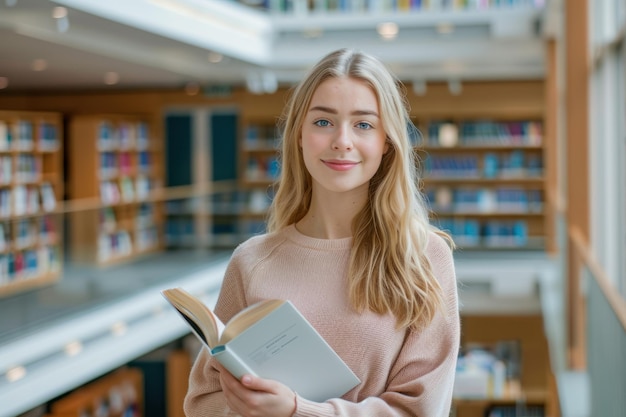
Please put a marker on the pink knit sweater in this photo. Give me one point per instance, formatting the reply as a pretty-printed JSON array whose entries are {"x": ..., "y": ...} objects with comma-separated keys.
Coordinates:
[{"x": 403, "y": 372}]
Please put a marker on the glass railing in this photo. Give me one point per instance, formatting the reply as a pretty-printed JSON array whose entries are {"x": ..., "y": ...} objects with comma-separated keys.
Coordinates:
[
  {"x": 86, "y": 254},
  {"x": 585, "y": 320}
]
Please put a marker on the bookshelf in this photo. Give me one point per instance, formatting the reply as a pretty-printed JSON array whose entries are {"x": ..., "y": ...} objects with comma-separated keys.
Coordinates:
[
  {"x": 115, "y": 160},
  {"x": 484, "y": 177},
  {"x": 484, "y": 181},
  {"x": 520, "y": 342},
  {"x": 31, "y": 182},
  {"x": 384, "y": 6},
  {"x": 259, "y": 170},
  {"x": 117, "y": 394}
]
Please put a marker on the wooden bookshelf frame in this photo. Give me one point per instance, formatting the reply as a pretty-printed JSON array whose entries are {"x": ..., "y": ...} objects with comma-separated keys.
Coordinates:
[
  {"x": 87, "y": 153},
  {"x": 48, "y": 160}
]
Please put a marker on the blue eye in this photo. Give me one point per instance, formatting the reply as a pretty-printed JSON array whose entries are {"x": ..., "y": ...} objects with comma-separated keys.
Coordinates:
[
  {"x": 364, "y": 125},
  {"x": 322, "y": 123}
]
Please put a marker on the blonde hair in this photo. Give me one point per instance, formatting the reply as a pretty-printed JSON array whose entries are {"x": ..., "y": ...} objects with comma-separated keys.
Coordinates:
[{"x": 389, "y": 271}]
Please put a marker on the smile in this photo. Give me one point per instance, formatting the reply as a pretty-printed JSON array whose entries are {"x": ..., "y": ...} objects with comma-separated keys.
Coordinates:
[{"x": 339, "y": 165}]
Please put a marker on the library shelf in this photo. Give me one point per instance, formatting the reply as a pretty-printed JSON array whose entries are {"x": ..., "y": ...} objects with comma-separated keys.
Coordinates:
[
  {"x": 118, "y": 159},
  {"x": 484, "y": 179},
  {"x": 31, "y": 182}
]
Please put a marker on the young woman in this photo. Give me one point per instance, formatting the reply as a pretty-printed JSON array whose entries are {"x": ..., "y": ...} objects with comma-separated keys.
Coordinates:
[{"x": 349, "y": 243}]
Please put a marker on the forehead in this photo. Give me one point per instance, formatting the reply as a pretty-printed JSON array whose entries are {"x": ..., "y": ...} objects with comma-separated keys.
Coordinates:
[{"x": 345, "y": 90}]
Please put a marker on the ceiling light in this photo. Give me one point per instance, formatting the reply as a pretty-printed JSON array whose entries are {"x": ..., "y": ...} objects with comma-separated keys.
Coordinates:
[
  {"x": 215, "y": 57},
  {"x": 111, "y": 78},
  {"x": 4, "y": 83},
  {"x": 40, "y": 65},
  {"x": 388, "y": 30},
  {"x": 73, "y": 348},
  {"x": 119, "y": 328},
  {"x": 445, "y": 28},
  {"x": 16, "y": 373},
  {"x": 59, "y": 12}
]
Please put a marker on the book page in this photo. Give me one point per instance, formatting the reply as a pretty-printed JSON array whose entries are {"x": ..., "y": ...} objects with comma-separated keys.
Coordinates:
[
  {"x": 204, "y": 323},
  {"x": 247, "y": 317}
]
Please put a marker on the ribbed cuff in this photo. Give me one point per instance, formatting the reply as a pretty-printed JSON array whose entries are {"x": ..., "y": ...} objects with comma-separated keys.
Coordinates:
[{"x": 306, "y": 408}]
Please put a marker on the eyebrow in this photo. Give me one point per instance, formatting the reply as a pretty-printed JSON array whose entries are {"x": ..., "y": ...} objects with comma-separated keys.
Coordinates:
[{"x": 333, "y": 111}]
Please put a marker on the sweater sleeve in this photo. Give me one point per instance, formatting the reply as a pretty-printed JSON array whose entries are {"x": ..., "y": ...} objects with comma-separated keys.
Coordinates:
[
  {"x": 421, "y": 381},
  {"x": 204, "y": 397}
]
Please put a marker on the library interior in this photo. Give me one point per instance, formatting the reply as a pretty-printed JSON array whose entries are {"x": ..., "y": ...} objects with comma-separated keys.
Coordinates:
[{"x": 138, "y": 148}]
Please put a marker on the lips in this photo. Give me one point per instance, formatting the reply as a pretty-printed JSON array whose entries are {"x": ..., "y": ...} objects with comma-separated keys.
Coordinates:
[{"x": 339, "y": 165}]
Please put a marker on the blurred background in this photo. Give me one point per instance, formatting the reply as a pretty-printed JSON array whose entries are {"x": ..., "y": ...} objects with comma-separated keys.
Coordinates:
[{"x": 138, "y": 149}]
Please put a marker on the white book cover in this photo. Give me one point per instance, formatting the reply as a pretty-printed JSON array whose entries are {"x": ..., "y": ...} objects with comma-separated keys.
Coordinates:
[{"x": 273, "y": 340}]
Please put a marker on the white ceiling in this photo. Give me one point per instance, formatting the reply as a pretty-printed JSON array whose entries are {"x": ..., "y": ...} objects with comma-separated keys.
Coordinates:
[{"x": 166, "y": 43}]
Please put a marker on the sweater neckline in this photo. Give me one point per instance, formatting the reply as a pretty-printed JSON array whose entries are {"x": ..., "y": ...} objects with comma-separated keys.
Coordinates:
[{"x": 328, "y": 244}]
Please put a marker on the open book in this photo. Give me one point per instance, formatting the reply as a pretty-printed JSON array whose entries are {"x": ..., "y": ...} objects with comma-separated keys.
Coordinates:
[{"x": 270, "y": 339}]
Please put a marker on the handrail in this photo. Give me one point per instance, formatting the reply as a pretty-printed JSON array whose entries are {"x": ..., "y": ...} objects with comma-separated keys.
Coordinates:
[
  {"x": 616, "y": 301},
  {"x": 158, "y": 194}
]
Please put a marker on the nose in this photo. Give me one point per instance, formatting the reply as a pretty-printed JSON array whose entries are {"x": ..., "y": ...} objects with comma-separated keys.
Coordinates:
[{"x": 343, "y": 139}]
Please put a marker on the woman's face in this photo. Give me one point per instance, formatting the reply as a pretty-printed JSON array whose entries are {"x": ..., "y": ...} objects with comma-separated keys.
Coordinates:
[{"x": 343, "y": 140}]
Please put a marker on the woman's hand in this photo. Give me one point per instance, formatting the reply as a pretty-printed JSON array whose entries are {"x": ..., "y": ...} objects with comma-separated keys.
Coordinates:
[{"x": 257, "y": 397}]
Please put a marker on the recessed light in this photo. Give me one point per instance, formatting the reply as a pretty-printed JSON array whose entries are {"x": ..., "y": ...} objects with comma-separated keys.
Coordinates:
[
  {"x": 73, "y": 348},
  {"x": 16, "y": 373},
  {"x": 119, "y": 328},
  {"x": 215, "y": 57},
  {"x": 59, "y": 12},
  {"x": 388, "y": 30},
  {"x": 111, "y": 78},
  {"x": 4, "y": 83},
  {"x": 40, "y": 64}
]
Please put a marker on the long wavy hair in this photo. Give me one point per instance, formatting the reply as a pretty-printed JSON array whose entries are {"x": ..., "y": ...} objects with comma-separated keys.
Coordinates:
[{"x": 389, "y": 271}]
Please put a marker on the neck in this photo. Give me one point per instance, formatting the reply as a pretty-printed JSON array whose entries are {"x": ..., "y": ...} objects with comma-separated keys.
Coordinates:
[{"x": 331, "y": 218}]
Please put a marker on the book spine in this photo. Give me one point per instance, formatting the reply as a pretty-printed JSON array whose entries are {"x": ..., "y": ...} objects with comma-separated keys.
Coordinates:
[{"x": 231, "y": 361}]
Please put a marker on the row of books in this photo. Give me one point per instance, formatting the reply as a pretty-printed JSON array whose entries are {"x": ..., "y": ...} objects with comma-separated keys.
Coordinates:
[
  {"x": 113, "y": 164},
  {"x": 363, "y": 6},
  {"x": 490, "y": 233},
  {"x": 484, "y": 200},
  {"x": 25, "y": 233},
  {"x": 123, "y": 136},
  {"x": 180, "y": 231},
  {"x": 21, "y": 200},
  {"x": 513, "y": 164},
  {"x": 519, "y": 410},
  {"x": 146, "y": 238},
  {"x": 144, "y": 217},
  {"x": 223, "y": 203},
  {"x": 119, "y": 243},
  {"x": 125, "y": 190},
  {"x": 29, "y": 264},
  {"x": 114, "y": 245},
  {"x": 261, "y": 137},
  {"x": 24, "y": 136},
  {"x": 262, "y": 168},
  {"x": 485, "y": 133}
]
